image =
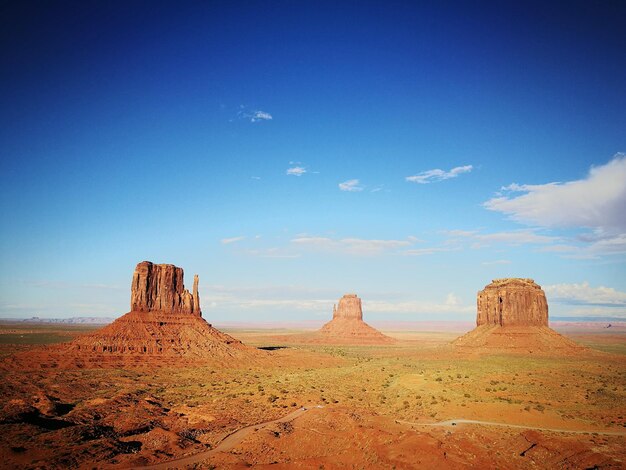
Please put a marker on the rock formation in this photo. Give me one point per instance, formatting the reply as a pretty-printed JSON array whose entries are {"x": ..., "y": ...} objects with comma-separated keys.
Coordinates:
[
  {"x": 512, "y": 316},
  {"x": 160, "y": 288},
  {"x": 512, "y": 301},
  {"x": 163, "y": 327},
  {"x": 347, "y": 325},
  {"x": 349, "y": 307}
]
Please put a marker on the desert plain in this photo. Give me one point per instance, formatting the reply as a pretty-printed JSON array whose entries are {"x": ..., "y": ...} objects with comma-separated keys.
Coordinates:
[{"x": 396, "y": 405}]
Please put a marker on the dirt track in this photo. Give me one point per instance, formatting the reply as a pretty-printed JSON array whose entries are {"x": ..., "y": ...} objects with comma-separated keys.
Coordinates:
[
  {"x": 454, "y": 422},
  {"x": 228, "y": 442}
]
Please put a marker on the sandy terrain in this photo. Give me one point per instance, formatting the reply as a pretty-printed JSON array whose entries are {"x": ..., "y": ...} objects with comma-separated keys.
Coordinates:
[{"x": 381, "y": 406}]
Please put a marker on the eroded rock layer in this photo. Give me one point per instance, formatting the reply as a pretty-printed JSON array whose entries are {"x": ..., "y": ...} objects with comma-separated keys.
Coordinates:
[
  {"x": 349, "y": 307},
  {"x": 513, "y": 301},
  {"x": 160, "y": 288},
  {"x": 512, "y": 317},
  {"x": 347, "y": 325},
  {"x": 164, "y": 327}
]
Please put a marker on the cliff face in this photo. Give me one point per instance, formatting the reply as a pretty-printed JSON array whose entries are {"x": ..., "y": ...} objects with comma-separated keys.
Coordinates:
[
  {"x": 347, "y": 325},
  {"x": 160, "y": 288},
  {"x": 512, "y": 302},
  {"x": 349, "y": 307},
  {"x": 164, "y": 326}
]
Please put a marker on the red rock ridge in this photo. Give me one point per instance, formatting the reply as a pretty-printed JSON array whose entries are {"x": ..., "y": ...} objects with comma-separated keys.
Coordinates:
[{"x": 160, "y": 288}]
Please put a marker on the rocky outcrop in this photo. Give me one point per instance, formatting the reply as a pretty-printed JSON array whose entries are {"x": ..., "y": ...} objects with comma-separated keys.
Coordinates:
[
  {"x": 349, "y": 307},
  {"x": 164, "y": 327},
  {"x": 512, "y": 302},
  {"x": 512, "y": 318},
  {"x": 347, "y": 325},
  {"x": 160, "y": 288}
]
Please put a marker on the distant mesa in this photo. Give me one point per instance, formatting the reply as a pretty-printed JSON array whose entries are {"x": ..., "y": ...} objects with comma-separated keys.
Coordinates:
[
  {"x": 160, "y": 288},
  {"x": 512, "y": 301},
  {"x": 347, "y": 325},
  {"x": 512, "y": 316},
  {"x": 164, "y": 326}
]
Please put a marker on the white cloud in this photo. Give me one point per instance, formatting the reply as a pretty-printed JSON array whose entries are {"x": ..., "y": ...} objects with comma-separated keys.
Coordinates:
[
  {"x": 353, "y": 246},
  {"x": 514, "y": 237},
  {"x": 559, "y": 248},
  {"x": 351, "y": 186},
  {"x": 260, "y": 116},
  {"x": 320, "y": 301},
  {"x": 255, "y": 177},
  {"x": 296, "y": 171},
  {"x": 577, "y": 294},
  {"x": 591, "y": 311},
  {"x": 450, "y": 305},
  {"x": 274, "y": 252},
  {"x": 428, "y": 251},
  {"x": 227, "y": 241},
  {"x": 431, "y": 176},
  {"x": 252, "y": 115},
  {"x": 597, "y": 201}
]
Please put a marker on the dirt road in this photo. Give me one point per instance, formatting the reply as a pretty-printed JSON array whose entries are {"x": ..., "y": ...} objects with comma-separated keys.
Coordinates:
[
  {"x": 228, "y": 442},
  {"x": 454, "y": 422}
]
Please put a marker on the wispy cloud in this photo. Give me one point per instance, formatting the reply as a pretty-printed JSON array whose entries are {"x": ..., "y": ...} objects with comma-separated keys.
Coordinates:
[
  {"x": 260, "y": 116},
  {"x": 352, "y": 246},
  {"x": 577, "y": 294},
  {"x": 451, "y": 304},
  {"x": 431, "y": 176},
  {"x": 228, "y": 241},
  {"x": 428, "y": 251},
  {"x": 253, "y": 115},
  {"x": 320, "y": 301},
  {"x": 496, "y": 262},
  {"x": 514, "y": 237},
  {"x": 296, "y": 171},
  {"x": 350, "y": 186},
  {"x": 596, "y": 202},
  {"x": 273, "y": 252}
]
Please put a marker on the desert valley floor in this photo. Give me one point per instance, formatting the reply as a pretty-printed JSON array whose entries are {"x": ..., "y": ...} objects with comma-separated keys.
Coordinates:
[{"x": 308, "y": 405}]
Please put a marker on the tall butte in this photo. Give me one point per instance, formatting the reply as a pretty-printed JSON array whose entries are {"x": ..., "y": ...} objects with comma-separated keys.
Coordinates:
[
  {"x": 512, "y": 316},
  {"x": 164, "y": 324},
  {"x": 347, "y": 325}
]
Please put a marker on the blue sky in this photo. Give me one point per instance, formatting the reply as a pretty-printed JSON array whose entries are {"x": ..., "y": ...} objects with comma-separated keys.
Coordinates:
[{"x": 291, "y": 152}]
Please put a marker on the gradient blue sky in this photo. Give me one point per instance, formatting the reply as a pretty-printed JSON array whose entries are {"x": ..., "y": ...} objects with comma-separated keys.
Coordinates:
[{"x": 290, "y": 152}]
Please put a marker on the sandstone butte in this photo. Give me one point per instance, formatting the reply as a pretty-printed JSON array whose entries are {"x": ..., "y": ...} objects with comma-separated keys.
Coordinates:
[
  {"x": 164, "y": 327},
  {"x": 512, "y": 316},
  {"x": 347, "y": 325}
]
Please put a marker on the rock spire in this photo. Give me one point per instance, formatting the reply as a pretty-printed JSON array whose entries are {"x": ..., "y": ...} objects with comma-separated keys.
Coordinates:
[
  {"x": 160, "y": 288},
  {"x": 347, "y": 325}
]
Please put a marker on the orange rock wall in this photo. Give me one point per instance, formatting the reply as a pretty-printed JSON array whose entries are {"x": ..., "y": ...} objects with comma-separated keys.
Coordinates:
[
  {"x": 160, "y": 288},
  {"x": 512, "y": 301},
  {"x": 349, "y": 307}
]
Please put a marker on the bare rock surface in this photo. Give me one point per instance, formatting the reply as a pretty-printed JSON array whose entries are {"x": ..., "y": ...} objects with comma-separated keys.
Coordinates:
[
  {"x": 512, "y": 317},
  {"x": 160, "y": 288},
  {"x": 349, "y": 307},
  {"x": 512, "y": 301},
  {"x": 164, "y": 327},
  {"x": 347, "y": 325}
]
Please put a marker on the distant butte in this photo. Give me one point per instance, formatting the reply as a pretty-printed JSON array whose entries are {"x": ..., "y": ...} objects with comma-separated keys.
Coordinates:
[
  {"x": 512, "y": 316},
  {"x": 164, "y": 326},
  {"x": 160, "y": 288},
  {"x": 512, "y": 301},
  {"x": 347, "y": 325}
]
